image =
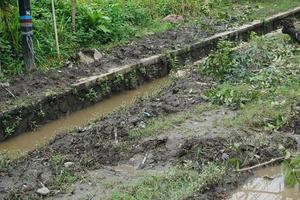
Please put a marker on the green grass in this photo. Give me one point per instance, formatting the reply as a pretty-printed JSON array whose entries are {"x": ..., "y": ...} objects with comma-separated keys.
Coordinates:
[
  {"x": 164, "y": 123},
  {"x": 175, "y": 184},
  {"x": 270, "y": 7}
]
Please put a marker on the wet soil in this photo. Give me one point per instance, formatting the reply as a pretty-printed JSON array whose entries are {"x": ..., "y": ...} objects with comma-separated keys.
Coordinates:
[
  {"x": 38, "y": 84},
  {"x": 91, "y": 146},
  {"x": 105, "y": 148},
  {"x": 29, "y": 141}
]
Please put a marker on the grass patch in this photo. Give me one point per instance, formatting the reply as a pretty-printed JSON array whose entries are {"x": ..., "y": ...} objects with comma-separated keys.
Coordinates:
[
  {"x": 175, "y": 184},
  {"x": 64, "y": 178},
  {"x": 164, "y": 123}
]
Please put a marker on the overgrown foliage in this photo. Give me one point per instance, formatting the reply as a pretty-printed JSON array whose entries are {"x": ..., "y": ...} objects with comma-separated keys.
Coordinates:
[{"x": 261, "y": 77}]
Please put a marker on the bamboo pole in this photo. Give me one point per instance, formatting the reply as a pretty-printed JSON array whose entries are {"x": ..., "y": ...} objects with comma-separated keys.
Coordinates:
[
  {"x": 73, "y": 14},
  {"x": 55, "y": 27}
]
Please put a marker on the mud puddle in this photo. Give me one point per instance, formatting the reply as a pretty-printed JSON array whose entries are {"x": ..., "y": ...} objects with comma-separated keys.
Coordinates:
[
  {"x": 31, "y": 140},
  {"x": 267, "y": 184}
]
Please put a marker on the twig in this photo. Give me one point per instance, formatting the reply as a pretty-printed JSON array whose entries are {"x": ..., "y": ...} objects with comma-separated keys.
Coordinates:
[
  {"x": 145, "y": 158},
  {"x": 116, "y": 135},
  {"x": 260, "y": 165},
  {"x": 7, "y": 90}
]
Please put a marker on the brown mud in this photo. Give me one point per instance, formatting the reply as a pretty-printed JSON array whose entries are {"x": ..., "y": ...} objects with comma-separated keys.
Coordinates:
[
  {"x": 23, "y": 143},
  {"x": 106, "y": 148}
]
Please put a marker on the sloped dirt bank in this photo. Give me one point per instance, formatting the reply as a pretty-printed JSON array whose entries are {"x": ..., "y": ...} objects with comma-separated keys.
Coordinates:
[{"x": 131, "y": 137}]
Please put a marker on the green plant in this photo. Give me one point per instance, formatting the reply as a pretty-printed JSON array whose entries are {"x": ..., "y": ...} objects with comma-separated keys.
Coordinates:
[
  {"x": 64, "y": 177},
  {"x": 219, "y": 64},
  {"x": 4, "y": 161},
  {"x": 291, "y": 170},
  {"x": 92, "y": 95},
  {"x": 9, "y": 124}
]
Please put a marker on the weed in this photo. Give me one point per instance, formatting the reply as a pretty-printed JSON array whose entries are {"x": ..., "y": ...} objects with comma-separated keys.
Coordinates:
[
  {"x": 4, "y": 161},
  {"x": 10, "y": 125},
  {"x": 91, "y": 95},
  {"x": 57, "y": 160},
  {"x": 64, "y": 177}
]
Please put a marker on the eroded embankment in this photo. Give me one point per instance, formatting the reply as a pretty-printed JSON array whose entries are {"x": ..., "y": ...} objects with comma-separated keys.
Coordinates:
[
  {"x": 40, "y": 98},
  {"x": 23, "y": 143},
  {"x": 192, "y": 139}
]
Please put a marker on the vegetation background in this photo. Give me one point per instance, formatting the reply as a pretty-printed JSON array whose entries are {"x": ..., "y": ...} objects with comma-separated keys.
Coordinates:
[{"x": 105, "y": 22}]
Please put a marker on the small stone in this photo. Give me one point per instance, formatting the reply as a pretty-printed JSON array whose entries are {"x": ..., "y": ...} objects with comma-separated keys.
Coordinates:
[
  {"x": 84, "y": 58},
  {"x": 225, "y": 156},
  {"x": 142, "y": 125},
  {"x": 180, "y": 74},
  {"x": 43, "y": 191},
  {"x": 97, "y": 55},
  {"x": 68, "y": 164}
]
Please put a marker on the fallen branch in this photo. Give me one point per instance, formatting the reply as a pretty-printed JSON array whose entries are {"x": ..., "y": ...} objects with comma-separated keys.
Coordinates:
[{"x": 261, "y": 164}]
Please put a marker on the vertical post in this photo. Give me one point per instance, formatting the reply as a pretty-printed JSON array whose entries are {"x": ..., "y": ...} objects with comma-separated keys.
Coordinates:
[
  {"x": 26, "y": 34},
  {"x": 73, "y": 14},
  {"x": 55, "y": 27}
]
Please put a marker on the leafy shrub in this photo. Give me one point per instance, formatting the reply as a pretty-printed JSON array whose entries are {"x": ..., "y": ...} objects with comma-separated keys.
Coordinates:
[{"x": 219, "y": 64}]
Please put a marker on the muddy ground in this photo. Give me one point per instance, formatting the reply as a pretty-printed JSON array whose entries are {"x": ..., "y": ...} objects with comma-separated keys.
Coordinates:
[
  {"x": 38, "y": 84},
  {"x": 108, "y": 151}
]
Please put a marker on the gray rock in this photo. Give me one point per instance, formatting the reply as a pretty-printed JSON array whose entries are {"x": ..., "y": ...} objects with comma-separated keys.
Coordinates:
[
  {"x": 84, "y": 58},
  {"x": 43, "y": 191},
  {"x": 68, "y": 164},
  {"x": 97, "y": 55}
]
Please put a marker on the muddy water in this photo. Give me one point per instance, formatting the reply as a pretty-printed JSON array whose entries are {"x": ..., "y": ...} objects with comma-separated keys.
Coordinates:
[
  {"x": 31, "y": 140},
  {"x": 267, "y": 184}
]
